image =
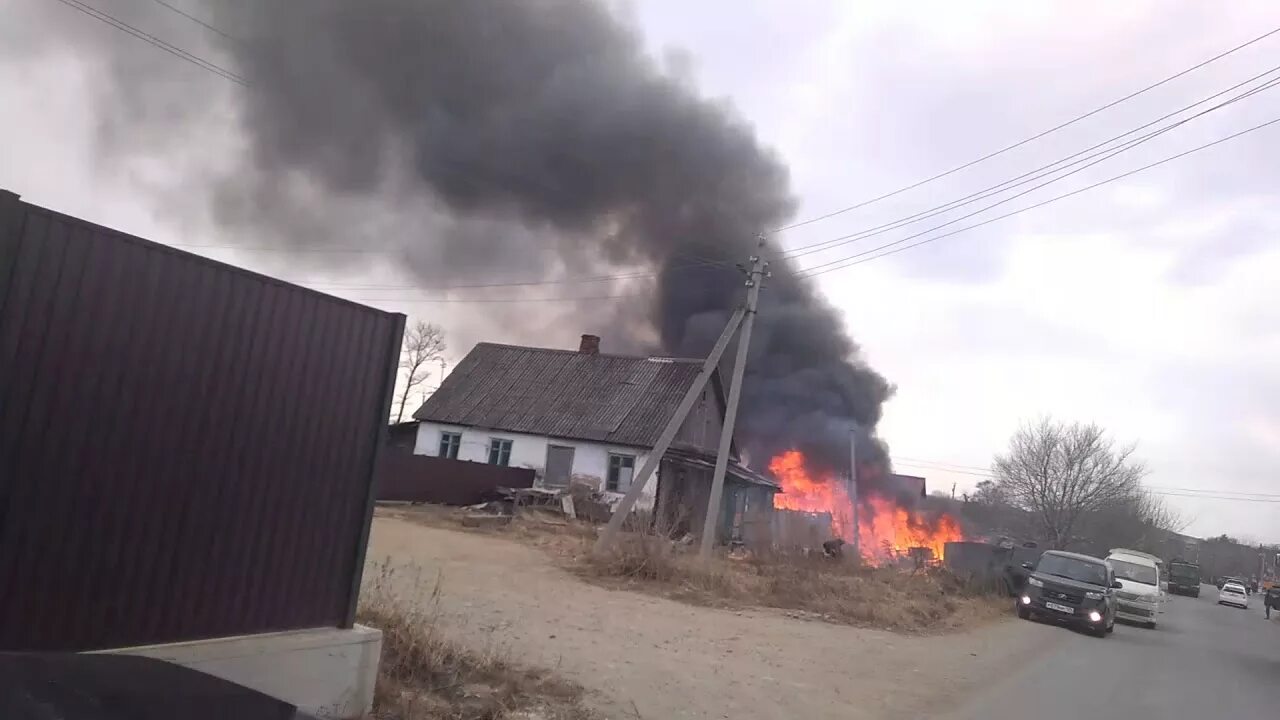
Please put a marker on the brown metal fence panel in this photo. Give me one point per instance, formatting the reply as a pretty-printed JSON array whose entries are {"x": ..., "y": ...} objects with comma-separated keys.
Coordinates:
[
  {"x": 422, "y": 478},
  {"x": 187, "y": 449}
]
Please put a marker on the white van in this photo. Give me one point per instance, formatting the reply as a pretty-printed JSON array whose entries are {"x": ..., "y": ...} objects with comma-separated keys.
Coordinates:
[{"x": 1139, "y": 595}]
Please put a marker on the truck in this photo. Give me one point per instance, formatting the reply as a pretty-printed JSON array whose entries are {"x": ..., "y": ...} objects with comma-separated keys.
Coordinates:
[{"x": 1184, "y": 578}]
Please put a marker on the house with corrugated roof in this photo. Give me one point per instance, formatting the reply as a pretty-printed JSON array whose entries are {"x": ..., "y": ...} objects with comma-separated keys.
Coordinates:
[{"x": 589, "y": 418}]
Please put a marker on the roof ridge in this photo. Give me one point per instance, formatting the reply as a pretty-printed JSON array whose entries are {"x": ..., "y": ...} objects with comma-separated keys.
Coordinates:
[{"x": 563, "y": 351}]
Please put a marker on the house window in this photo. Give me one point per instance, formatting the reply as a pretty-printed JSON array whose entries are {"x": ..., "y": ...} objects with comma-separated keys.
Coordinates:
[
  {"x": 621, "y": 468},
  {"x": 449, "y": 444},
  {"x": 499, "y": 451}
]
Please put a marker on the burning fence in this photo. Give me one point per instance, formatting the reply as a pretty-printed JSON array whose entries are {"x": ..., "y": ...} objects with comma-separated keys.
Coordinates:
[{"x": 888, "y": 527}]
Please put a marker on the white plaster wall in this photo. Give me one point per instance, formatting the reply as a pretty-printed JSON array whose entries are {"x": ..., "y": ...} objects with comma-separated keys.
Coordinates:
[
  {"x": 527, "y": 451},
  {"x": 590, "y": 460}
]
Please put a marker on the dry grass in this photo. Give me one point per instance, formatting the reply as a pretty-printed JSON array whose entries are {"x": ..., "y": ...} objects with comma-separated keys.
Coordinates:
[
  {"x": 423, "y": 673},
  {"x": 813, "y": 587},
  {"x": 817, "y": 587}
]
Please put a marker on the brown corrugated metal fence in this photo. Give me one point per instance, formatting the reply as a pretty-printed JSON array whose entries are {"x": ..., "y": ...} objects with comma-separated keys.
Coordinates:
[
  {"x": 187, "y": 449},
  {"x": 421, "y": 478}
]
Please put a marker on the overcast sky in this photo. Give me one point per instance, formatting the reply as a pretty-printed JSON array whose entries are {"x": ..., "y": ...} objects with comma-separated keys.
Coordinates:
[{"x": 1148, "y": 305}]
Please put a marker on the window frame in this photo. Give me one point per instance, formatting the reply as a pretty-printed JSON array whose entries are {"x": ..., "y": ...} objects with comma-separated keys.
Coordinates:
[
  {"x": 613, "y": 472},
  {"x": 454, "y": 447},
  {"x": 500, "y": 451}
]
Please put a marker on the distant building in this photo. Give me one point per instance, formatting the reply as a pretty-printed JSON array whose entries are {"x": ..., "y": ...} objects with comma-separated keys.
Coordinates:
[{"x": 913, "y": 484}]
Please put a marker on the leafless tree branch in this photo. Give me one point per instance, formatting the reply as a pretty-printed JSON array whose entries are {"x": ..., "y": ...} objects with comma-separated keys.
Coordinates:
[
  {"x": 423, "y": 343},
  {"x": 1061, "y": 474}
]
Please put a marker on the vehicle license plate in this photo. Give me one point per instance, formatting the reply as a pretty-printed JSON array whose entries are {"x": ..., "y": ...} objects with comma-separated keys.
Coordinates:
[{"x": 1060, "y": 608}]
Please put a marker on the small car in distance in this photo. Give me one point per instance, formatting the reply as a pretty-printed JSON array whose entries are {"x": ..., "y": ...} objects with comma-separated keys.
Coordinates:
[
  {"x": 1071, "y": 588},
  {"x": 1233, "y": 593}
]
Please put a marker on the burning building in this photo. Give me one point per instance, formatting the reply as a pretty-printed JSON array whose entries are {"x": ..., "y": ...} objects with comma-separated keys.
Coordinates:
[{"x": 889, "y": 524}]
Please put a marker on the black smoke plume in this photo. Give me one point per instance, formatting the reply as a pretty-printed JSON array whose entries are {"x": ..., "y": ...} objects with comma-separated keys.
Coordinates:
[{"x": 485, "y": 140}]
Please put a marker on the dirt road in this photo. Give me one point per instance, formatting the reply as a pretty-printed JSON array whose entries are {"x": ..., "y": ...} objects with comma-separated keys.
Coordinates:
[{"x": 654, "y": 658}]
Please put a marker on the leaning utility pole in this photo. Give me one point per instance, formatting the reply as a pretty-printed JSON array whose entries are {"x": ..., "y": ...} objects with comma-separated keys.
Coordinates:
[
  {"x": 754, "y": 280},
  {"x": 853, "y": 492},
  {"x": 641, "y": 479}
]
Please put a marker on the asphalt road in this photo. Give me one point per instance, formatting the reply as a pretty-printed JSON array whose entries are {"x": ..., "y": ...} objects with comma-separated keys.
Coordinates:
[{"x": 1202, "y": 661}]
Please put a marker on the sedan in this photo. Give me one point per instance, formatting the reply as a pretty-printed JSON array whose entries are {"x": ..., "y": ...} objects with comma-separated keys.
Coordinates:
[{"x": 1233, "y": 594}]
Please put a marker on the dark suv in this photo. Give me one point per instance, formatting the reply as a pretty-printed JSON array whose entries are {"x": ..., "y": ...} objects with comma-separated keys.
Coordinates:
[{"x": 1072, "y": 588}]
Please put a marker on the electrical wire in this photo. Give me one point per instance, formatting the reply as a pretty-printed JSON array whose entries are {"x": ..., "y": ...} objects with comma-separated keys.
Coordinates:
[
  {"x": 944, "y": 469},
  {"x": 705, "y": 263},
  {"x": 854, "y": 259},
  {"x": 1216, "y": 492},
  {"x": 859, "y": 258},
  {"x": 153, "y": 40},
  {"x": 916, "y": 461},
  {"x": 1030, "y": 176},
  {"x": 807, "y": 272},
  {"x": 1163, "y": 491},
  {"x": 824, "y": 245},
  {"x": 862, "y": 257},
  {"x": 495, "y": 300},
  {"x": 1094, "y": 159},
  {"x": 1020, "y": 143},
  {"x": 196, "y": 20}
]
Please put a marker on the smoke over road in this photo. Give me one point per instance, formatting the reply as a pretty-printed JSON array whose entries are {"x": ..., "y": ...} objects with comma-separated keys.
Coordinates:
[{"x": 527, "y": 140}]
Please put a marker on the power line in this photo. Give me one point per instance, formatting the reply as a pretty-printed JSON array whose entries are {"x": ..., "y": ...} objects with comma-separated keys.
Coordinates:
[
  {"x": 1110, "y": 153},
  {"x": 153, "y": 40},
  {"x": 1215, "y": 494},
  {"x": 1164, "y": 493},
  {"x": 1032, "y": 176},
  {"x": 196, "y": 20},
  {"x": 706, "y": 263},
  {"x": 808, "y": 272},
  {"x": 1218, "y": 492},
  {"x": 855, "y": 261},
  {"x": 843, "y": 263},
  {"x": 1020, "y": 143},
  {"x": 917, "y": 461},
  {"x": 947, "y": 470},
  {"x": 703, "y": 262},
  {"x": 494, "y": 300},
  {"x": 852, "y": 260},
  {"x": 473, "y": 286},
  {"x": 846, "y": 239}
]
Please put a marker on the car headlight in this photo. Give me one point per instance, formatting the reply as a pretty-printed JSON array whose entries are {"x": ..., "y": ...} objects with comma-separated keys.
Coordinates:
[
  {"x": 1033, "y": 582},
  {"x": 1093, "y": 595}
]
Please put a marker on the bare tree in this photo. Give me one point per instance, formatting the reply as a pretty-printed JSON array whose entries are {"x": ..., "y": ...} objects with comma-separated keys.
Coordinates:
[
  {"x": 423, "y": 343},
  {"x": 1061, "y": 473},
  {"x": 1142, "y": 521},
  {"x": 1156, "y": 514},
  {"x": 989, "y": 493}
]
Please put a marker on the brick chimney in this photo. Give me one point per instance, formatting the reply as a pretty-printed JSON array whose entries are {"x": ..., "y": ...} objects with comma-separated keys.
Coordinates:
[{"x": 590, "y": 345}]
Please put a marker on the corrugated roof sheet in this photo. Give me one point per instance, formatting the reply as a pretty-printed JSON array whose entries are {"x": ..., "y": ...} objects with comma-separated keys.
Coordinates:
[
  {"x": 694, "y": 456},
  {"x": 613, "y": 399}
]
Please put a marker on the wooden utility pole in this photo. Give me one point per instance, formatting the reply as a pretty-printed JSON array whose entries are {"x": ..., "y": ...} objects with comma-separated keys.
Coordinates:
[
  {"x": 638, "y": 482},
  {"x": 853, "y": 492},
  {"x": 754, "y": 280}
]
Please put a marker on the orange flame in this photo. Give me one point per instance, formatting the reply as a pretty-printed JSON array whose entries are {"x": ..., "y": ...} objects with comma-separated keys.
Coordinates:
[{"x": 886, "y": 530}]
